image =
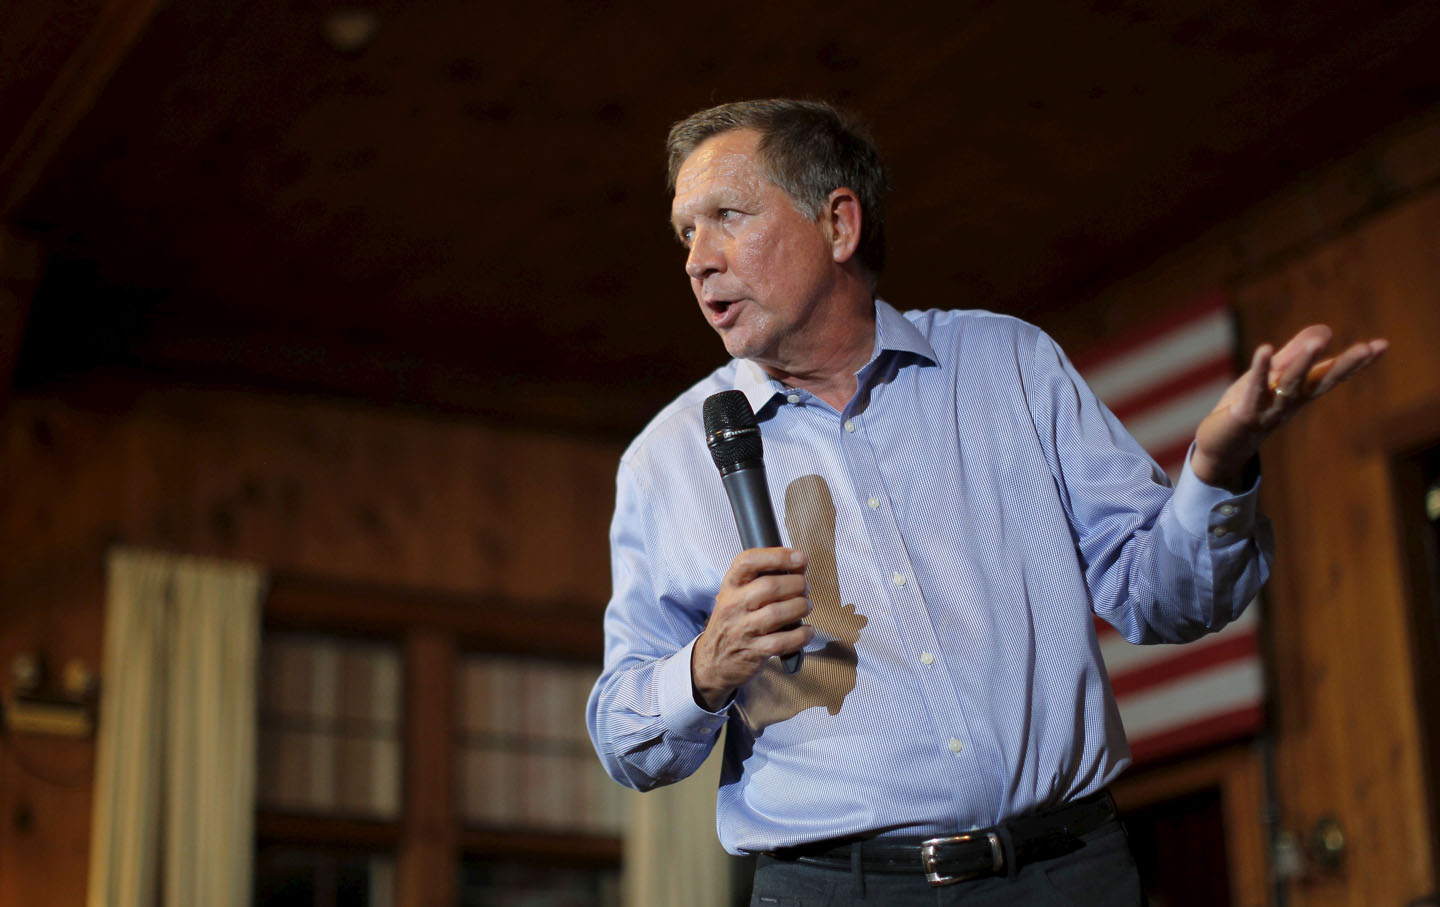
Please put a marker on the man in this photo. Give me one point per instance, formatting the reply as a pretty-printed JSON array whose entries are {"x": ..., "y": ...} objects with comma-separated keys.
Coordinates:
[{"x": 958, "y": 505}]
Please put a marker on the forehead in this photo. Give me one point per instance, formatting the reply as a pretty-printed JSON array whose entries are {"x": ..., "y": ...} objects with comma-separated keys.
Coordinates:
[{"x": 724, "y": 164}]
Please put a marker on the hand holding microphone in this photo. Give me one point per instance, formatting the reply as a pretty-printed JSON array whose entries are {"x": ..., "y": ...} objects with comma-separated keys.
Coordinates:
[{"x": 762, "y": 598}]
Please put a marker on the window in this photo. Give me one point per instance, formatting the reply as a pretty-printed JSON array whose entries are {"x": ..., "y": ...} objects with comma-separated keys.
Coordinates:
[
  {"x": 419, "y": 754},
  {"x": 525, "y": 758},
  {"x": 329, "y": 726}
]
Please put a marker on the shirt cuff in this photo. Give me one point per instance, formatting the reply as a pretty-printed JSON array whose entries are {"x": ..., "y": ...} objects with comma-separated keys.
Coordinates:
[
  {"x": 678, "y": 709},
  {"x": 1217, "y": 513}
]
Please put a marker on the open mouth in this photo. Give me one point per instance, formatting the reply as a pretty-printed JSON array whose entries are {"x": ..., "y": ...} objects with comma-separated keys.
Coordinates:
[{"x": 722, "y": 311}]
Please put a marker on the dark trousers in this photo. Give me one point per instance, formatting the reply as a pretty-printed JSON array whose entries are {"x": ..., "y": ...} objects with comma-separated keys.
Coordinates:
[{"x": 1102, "y": 873}]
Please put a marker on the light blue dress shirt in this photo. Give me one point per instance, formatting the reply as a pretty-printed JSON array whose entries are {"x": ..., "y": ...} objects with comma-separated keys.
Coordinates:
[{"x": 964, "y": 516}]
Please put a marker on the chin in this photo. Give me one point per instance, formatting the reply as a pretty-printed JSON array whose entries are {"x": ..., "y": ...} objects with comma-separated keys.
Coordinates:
[
  {"x": 742, "y": 349},
  {"x": 744, "y": 342}
]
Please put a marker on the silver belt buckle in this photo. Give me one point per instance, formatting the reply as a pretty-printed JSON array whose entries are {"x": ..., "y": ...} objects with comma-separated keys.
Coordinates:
[{"x": 929, "y": 856}]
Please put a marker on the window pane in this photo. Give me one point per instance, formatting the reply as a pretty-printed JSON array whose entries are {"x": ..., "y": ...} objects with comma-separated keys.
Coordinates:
[
  {"x": 524, "y": 755},
  {"x": 330, "y": 726}
]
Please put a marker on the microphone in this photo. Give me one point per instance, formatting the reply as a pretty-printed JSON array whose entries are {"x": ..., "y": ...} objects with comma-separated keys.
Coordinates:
[{"x": 733, "y": 437}]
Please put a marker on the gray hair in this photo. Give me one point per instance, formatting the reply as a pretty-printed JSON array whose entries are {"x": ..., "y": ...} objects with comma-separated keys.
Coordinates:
[{"x": 808, "y": 149}]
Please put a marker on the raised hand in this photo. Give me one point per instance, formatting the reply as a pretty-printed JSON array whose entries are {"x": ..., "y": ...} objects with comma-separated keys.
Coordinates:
[{"x": 1275, "y": 386}]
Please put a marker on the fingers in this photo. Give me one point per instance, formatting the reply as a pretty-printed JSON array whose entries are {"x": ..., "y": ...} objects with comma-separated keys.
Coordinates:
[
  {"x": 756, "y": 616},
  {"x": 1298, "y": 374},
  {"x": 757, "y": 562},
  {"x": 1251, "y": 387},
  {"x": 1294, "y": 360},
  {"x": 756, "y": 598},
  {"x": 1274, "y": 387},
  {"x": 1327, "y": 374},
  {"x": 784, "y": 642}
]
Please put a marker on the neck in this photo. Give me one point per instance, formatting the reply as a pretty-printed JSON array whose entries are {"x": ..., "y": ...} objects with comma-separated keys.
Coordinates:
[{"x": 827, "y": 368}]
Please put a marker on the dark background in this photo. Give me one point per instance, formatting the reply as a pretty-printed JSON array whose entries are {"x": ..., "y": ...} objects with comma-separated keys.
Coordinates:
[{"x": 467, "y": 213}]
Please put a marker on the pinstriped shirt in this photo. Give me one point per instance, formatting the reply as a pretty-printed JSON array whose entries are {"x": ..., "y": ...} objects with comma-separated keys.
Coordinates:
[{"x": 964, "y": 516}]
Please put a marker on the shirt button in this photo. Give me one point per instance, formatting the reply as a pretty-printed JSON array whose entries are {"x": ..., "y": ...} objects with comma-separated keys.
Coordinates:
[
  {"x": 1219, "y": 532},
  {"x": 955, "y": 745},
  {"x": 926, "y": 658},
  {"x": 899, "y": 580},
  {"x": 873, "y": 502},
  {"x": 849, "y": 426},
  {"x": 793, "y": 398}
]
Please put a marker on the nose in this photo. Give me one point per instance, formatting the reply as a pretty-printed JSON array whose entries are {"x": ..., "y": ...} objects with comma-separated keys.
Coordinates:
[{"x": 706, "y": 255}]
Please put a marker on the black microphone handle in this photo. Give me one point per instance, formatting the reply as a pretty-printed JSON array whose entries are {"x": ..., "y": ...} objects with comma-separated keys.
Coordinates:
[{"x": 749, "y": 495}]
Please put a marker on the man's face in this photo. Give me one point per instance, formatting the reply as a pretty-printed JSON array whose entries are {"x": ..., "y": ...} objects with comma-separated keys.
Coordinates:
[{"x": 760, "y": 269}]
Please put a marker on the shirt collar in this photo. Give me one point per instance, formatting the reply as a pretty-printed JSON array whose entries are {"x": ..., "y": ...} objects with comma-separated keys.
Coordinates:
[{"x": 893, "y": 334}]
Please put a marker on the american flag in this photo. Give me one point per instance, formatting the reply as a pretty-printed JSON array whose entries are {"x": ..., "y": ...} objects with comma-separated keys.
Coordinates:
[{"x": 1161, "y": 380}]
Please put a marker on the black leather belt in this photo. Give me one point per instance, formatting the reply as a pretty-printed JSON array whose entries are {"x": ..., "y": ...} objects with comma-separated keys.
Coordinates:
[{"x": 973, "y": 854}]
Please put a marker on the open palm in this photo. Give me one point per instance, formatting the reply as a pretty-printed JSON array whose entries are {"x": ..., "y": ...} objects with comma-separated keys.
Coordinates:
[{"x": 1275, "y": 386}]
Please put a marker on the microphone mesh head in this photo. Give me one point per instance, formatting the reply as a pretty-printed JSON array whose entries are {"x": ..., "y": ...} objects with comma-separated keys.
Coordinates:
[{"x": 731, "y": 431}]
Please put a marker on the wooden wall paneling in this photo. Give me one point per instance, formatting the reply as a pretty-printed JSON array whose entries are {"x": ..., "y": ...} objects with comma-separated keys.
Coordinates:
[
  {"x": 1346, "y": 725},
  {"x": 53, "y": 611},
  {"x": 336, "y": 497},
  {"x": 159, "y": 484},
  {"x": 351, "y": 495},
  {"x": 438, "y": 495},
  {"x": 45, "y": 801},
  {"x": 59, "y": 513},
  {"x": 555, "y": 492},
  {"x": 65, "y": 472}
]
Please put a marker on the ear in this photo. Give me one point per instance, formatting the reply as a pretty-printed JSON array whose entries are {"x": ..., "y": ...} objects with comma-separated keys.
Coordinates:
[{"x": 843, "y": 217}]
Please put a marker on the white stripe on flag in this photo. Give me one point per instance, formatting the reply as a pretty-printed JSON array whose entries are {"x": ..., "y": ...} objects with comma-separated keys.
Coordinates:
[
  {"x": 1170, "y": 354},
  {"x": 1184, "y": 701},
  {"x": 1177, "y": 417},
  {"x": 1121, "y": 656}
]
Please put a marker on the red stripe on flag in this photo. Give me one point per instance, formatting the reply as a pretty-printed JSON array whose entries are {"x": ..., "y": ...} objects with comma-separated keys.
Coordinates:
[
  {"x": 1203, "y": 305},
  {"x": 1149, "y": 396},
  {"x": 1213, "y": 729},
  {"x": 1186, "y": 661}
]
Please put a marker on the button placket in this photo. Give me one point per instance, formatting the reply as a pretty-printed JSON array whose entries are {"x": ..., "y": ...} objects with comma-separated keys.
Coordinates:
[{"x": 948, "y": 718}]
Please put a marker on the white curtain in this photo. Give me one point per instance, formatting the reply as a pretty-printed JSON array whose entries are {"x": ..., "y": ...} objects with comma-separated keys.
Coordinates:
[
  {"x": 671, "y": 853},
  {"x": 175, "y": 767}
]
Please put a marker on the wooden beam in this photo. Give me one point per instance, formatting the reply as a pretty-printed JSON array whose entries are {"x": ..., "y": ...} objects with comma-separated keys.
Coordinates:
[
  {"x": 530, "y": 846},
  {"x": 429, "y": 833},
  {"x": 71, "y": 95},
  {"x": 326, "y": 831},
  {"x": 560, "y": 630}
]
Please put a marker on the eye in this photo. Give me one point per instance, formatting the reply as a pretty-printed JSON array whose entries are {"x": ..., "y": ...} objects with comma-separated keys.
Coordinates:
[{"x": 728, "y": 213}]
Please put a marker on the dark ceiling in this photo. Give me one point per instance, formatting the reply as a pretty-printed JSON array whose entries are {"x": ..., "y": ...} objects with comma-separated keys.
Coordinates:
[{"x": 468, "y": 214}]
